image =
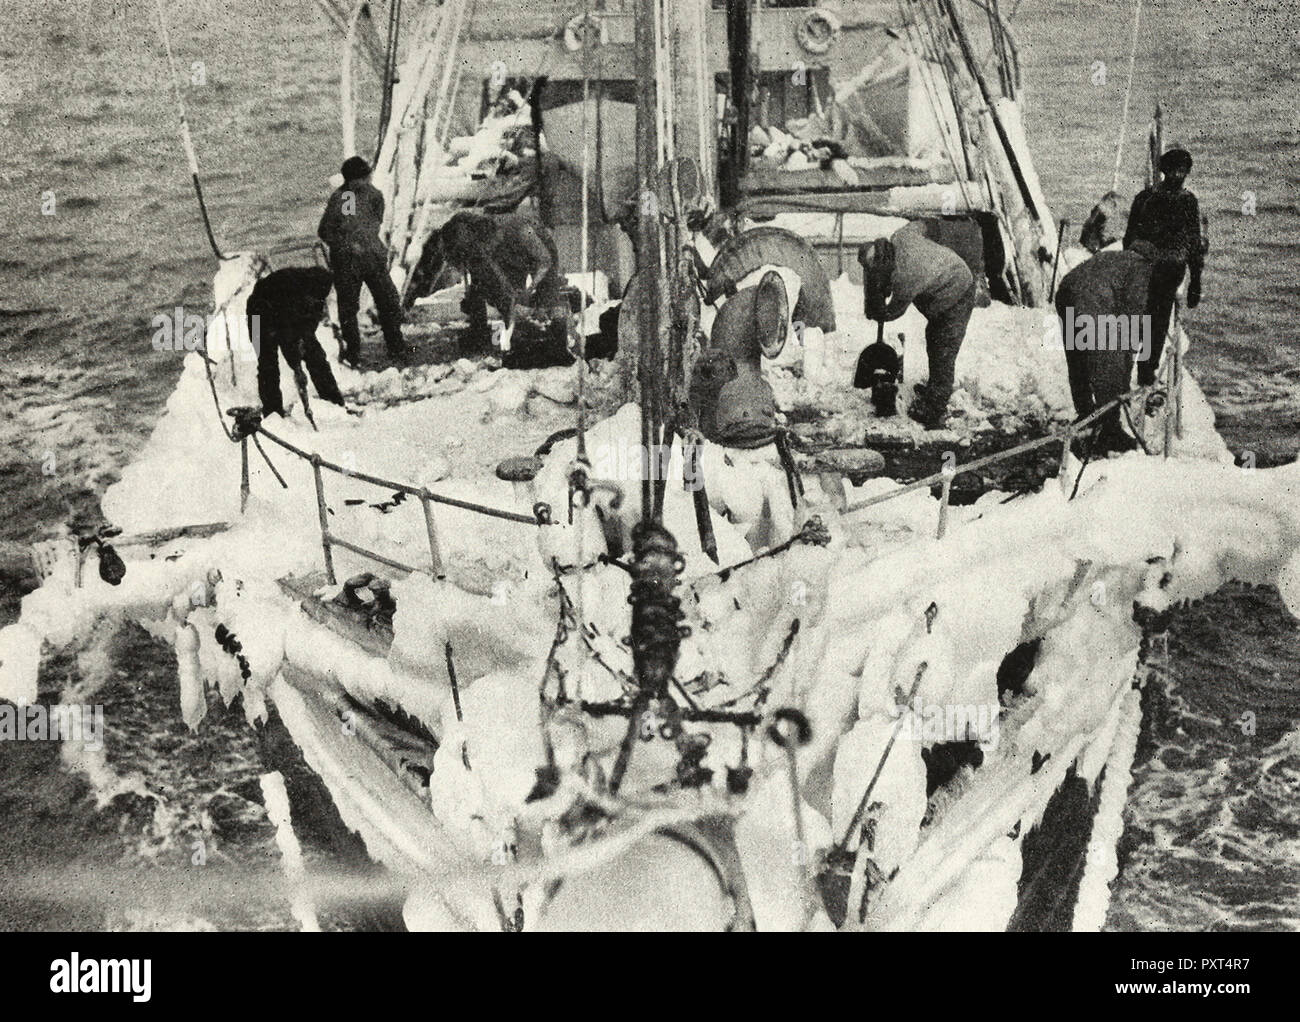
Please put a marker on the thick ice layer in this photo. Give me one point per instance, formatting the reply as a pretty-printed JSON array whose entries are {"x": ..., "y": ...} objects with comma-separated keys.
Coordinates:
[{"x": 1067, "y": 572}]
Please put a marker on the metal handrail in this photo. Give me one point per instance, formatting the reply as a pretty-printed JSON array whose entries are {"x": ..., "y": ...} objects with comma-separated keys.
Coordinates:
[
  {"x": 426, "y": 497},
  {"x": 944, "y": 477},
  {"x": 414, "y": 491}
]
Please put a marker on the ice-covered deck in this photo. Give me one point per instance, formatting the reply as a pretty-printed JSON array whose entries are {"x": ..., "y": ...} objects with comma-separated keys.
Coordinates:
[{"x": 1004, "y": 574}]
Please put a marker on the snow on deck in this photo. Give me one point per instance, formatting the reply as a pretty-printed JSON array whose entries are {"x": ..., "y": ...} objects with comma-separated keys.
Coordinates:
[{"x": 1003, "y": 574}]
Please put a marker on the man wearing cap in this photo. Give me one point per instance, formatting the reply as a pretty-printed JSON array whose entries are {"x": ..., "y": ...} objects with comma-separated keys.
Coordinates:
[
  {"x": 910, "y": 269},
  {"x": 1096, "y": 229},
  {"x": 350, "y": 227},
  {"x": 1167, "y": 217}
]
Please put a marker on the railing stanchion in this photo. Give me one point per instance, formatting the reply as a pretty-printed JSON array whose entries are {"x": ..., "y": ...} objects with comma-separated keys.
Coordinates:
[
  {"x": 949, "y": 474},
  {"x": 839, "y": 242},
  {"x": 435, "y": 555},
  {"x": 1065, "y": 453},
  {"x": 324, "y": 519},
  {"x": 243, "y": 475},
  {"x": 1177, "y": 392}
]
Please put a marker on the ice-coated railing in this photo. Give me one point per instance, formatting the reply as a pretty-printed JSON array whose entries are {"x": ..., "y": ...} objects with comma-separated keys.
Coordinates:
[
  {"x": 943, "y": 478},
  {"x": 426, "y": 497},
  {"x": 948, "y": 473},
  {"x": 1173, "y": 427}
]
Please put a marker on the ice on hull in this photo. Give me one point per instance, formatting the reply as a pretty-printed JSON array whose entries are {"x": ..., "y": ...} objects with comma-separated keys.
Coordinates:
[{"x": 1044, "y": 568}]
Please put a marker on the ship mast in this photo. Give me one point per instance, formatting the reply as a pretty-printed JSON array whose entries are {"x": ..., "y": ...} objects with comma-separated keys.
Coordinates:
[
  {"x": 676, "y": 142},
  {"x": 651, "y": 261}
]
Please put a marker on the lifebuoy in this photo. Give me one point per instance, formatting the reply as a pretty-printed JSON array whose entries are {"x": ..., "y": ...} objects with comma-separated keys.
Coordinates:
[{"x": 817, "y": 31}]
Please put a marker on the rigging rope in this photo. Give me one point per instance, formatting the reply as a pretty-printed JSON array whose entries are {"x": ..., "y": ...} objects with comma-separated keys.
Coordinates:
[
  {"x": 931, "y": 54},
  {"x": 581, "y": 338},
  {"x": 581, "y": 474},
  {"x": 1128, "y": 95},
  {"x": 186, "y": 140}
]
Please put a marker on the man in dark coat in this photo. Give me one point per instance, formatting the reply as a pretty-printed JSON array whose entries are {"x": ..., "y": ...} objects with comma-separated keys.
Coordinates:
[
  {"x": 498, "y": 254},
  {"x": 283, "y": 312},
  {"x": 1096, "y": 233},
  {"x": 908, "y": 269},
  {"x": 350, "y": 227},
  {"x": 1093, "y": 301},
  {"x": 1168, "y": 217}
]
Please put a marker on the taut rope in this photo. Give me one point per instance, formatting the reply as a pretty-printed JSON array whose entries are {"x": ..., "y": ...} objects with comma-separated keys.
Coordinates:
[
  {"x": 186, "y": 140},
  {"x": 1128, "y": 95}
]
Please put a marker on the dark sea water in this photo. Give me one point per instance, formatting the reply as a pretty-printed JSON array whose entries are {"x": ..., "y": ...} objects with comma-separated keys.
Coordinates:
[
  {"x": 1212, "y": 834},
  {"x": 1213, "y": 824}
]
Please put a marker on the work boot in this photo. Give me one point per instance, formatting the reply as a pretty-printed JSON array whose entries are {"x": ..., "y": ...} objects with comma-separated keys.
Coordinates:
[
  {"x": 1115, "y": 441},
  {"x": 399, "y": 355},
  {"x": 923, "y": 411},
  {"x": 350, "y": 357}
]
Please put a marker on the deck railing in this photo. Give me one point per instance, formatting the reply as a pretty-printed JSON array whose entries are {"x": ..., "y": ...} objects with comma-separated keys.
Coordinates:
[
  {"x": 1173, "y": 426},
  {"x": 945, "y": 476},
  {"x": 427, "y": 499}
]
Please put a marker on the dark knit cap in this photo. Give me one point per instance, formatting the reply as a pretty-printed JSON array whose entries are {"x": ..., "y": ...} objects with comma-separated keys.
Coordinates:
[
  {"x": 354, "y": 167},
  {"x": 1175, "y": 159}
]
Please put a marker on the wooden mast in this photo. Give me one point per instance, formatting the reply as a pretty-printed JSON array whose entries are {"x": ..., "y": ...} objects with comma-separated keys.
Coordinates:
[
  {"x": 649, "y": 236},
  {"x": 674, "y": 102},
  {"x": 390, "y": 69}
]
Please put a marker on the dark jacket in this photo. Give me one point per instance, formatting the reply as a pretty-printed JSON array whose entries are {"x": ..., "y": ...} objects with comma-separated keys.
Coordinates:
[
  {"x": 500, "y": 253},
  {"x": 1109, "y": 284},
  {"x": 1170, "y": 221},
  {"x": 292, "y": 298},
  {"x": 932, "y": 277},
  {"x": 352, "y": 221}
]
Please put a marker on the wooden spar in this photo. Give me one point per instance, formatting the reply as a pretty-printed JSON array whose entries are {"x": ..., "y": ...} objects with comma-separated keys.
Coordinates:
[
  {"x": 739, "y": 36},
  {"x": 545, "y": 200},
  {"x": 963, "y": 41},
  {"x": 347, "y": 84},
  {"x": 416, "y": 83},
  {"x": 390, "y": 68},
  {"x": 997, "y": 28},
  {"x": 335, "y": 11},
  {"x": 432, "y": 153},
  {"x": 406, "y": 167}
]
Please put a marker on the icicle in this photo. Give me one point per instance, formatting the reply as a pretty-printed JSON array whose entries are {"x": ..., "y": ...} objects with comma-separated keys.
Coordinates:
[
  {"x": 1102, "y": 864},
  {"x": 20, "y": 661},
  {"x": 277, "y": 809},
  {"x": 194, "y": 706}
]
